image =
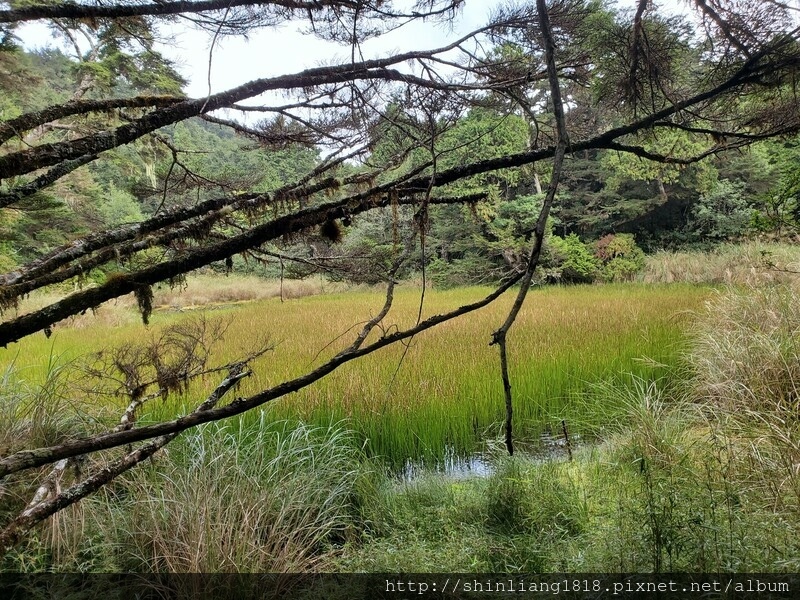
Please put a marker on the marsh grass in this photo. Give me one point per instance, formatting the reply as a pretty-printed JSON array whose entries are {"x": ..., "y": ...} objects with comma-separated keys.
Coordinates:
[
  {"x": 200, "y": 291},
  {"x": 666, "y": 491},
  {"x": 205, "y": 290},
  {"x": 697, "y": 473},
  {"x": 690, "y": 470},
  {"x": 443, "y": 393},
  {"x": 447, "y": 393}
]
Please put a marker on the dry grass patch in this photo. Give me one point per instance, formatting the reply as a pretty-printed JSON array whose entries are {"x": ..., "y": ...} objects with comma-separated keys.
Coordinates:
[
  {"x": 204, "y": 290},
  {"x": 746, "y": 357},
  {"x": 749, "y": 263},
  {"x": 198, "y": 291}
]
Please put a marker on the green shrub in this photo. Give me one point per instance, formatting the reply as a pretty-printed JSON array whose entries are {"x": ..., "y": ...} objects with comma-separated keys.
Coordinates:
[
  {"x": 722, "y": 213},
  {"x": 536, "y": 499},
  {"x": 472, "y": 269},
  {"x": 621, "y": 259},
  {"x": 118, "y": 207},
  {"x": 570, "y": 260},
  {"x": 8, "y": 259}
]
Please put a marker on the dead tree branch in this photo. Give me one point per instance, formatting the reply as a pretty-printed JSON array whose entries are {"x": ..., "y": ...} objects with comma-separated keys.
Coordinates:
[{"x": 499, "y": 336}]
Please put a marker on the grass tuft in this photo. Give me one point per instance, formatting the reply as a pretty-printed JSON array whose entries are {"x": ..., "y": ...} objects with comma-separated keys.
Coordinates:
[{"x": 257, "y": 497}]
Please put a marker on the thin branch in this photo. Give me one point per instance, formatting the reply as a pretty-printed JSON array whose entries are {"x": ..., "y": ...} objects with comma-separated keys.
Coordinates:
[
  {"x": 17, "y": 125},
  {"x": 723, "y": 25},
  {"x": 45, "y": 179},
  {"x": 211, "y": 49},
  {"x": 499, "y": 336},
  {"x": 722, "y": 133},
  {"x": 670, "y": 160}
]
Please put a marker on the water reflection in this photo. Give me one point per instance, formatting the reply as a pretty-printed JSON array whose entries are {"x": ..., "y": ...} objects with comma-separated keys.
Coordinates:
[{"x": 547, "y": 447}]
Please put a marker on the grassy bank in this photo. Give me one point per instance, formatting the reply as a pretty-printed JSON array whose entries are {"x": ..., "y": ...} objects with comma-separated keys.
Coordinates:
[{"x": 746, "y": 263}]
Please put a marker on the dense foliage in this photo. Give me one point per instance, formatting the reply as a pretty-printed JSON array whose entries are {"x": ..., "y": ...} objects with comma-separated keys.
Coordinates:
[{"x": 603, "y": 192}]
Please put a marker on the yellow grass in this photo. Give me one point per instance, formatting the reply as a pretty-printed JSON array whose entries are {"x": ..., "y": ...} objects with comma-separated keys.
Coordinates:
[{"x": 747, "y": 263}]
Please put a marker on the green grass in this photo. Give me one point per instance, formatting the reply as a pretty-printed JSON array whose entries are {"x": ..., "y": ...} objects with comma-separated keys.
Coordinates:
[
  {"x": 697, "y": 476},
  {"x": 667, "y": 490},
  {"x": 445, "y": 395},
  {"x": 693, "y": 468}
]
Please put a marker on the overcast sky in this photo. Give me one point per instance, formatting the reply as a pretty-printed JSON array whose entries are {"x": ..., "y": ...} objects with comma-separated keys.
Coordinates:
[
  {"x": 271, "y": 52},
  {"x": 277, "y": 51}
]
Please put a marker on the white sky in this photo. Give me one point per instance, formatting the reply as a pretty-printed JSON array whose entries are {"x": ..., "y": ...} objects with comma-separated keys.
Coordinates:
[
  {"x": 266, "y": 53},
  {"x": 271, "y": 52}
]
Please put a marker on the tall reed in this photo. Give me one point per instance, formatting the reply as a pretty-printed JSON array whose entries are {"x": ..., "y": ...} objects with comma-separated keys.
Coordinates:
[{"x": 747, "y": 373}]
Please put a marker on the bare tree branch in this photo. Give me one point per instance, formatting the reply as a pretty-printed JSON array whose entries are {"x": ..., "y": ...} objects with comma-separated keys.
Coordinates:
[
  {"x": 44, "y": 180},
  {"x": 17, "y": 125},
  {"x": 499, "y": 336},
  {"x": 724, "y": 27},
  {"x": 69, "y": 10}
]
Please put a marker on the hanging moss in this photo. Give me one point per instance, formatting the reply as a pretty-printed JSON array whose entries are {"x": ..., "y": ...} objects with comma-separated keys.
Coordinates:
[
  {"x": 8, "y": 299},
  {"x": 144, "y": 298},
  {"x": 178, "y": 282},
  {"x": 331, "y": 231}
]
